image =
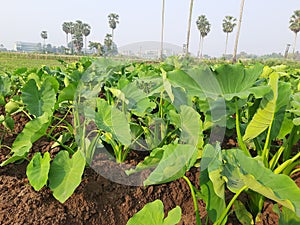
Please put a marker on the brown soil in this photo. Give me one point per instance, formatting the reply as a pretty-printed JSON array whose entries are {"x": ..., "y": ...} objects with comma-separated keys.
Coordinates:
[{"x": 96, "y": 201}]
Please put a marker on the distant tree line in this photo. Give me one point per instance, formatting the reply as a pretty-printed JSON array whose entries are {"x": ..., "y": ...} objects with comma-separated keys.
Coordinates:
[
  {"x": 229, "y": 22},
  {"x": 76, "y": 38},
  {"x": 79, "y": 31}
]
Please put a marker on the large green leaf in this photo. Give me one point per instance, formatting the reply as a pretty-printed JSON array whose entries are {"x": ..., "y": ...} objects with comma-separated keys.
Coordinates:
[
  {"x": 296, "y": 108},
  {"x": 153, "y": 214},
  {"x": 287, "y": 216},
  {"x": 179, "y": 78},
  {"x": 65, "y": 174},
  {"x": 242, "y": 213},
  {"x": 38, "y": 169},
  {"x": 227, "y": 81},
  {"x": 181, "y": 98},
  {"x": 112, "y": 120},
  {"x": 271, "y": 111},
  {"x": 149, "y": 162},
  {"x": 283, "y": 100},
  {"x": 167, "y": 86},
  {"x": 211, "y": 183},
  {"x": 67, "y": 94},
  {"x": 5, "y": 85},
  {"x": 32, "y": 131},
  {"x": 265, "y": 114},
  {"x": 37, "y": 100},
  {"x": 176, "y": 160},
  {"x": 238, "y": 80},
  {"x": 191, "y": 125},
  {"x": 240, "y": 170},
  {"x": 136, "y": 99}
]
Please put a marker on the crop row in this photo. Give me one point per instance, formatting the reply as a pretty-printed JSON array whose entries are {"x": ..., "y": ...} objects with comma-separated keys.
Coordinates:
[{"x": 177, "y": 114}]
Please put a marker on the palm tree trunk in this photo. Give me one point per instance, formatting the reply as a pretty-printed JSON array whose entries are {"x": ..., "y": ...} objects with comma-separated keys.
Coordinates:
[
  {"x": 112, "y": 35},
  {"x": 226, "y": 44},
  {"x": 44, "y": 45},
  {"x": 199, "y": 48},
  {"x": 85, "y": 45},
  {"x": 189, "y": 28},
  {"x": 238, "y": 31},
  {"x": 202, "y": 41},
  {"x": 295, "y": 43},
  {"x": 72, "y": 45},
  {"x": 162, "y": 30},
  {"x": 67, "y": 41}
]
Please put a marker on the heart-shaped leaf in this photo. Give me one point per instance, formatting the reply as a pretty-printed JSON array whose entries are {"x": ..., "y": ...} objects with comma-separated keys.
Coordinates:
[
  {"x": 38, "y": 100},
  {"x": 38, "y": 169},
  {"x": 65, "y": 174},
  {"x": 153, "y": 214},
  {"x": 32, "y": 131}
]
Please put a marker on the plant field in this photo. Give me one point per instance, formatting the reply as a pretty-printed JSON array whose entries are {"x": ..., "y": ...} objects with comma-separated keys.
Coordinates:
[
  {"x": 13, "y": 61},
  {"x": 177, "y": 142}
]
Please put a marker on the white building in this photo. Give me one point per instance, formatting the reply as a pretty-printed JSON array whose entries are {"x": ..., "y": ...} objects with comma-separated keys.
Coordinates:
[{"x": 27, "y": 47}]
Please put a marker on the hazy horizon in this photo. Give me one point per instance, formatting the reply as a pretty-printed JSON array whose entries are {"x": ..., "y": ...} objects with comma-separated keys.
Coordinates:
[{"x": 264, "y": 27}]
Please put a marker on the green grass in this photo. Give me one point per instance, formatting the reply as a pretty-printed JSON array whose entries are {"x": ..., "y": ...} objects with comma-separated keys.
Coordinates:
[{"x": 12, "y": 61}]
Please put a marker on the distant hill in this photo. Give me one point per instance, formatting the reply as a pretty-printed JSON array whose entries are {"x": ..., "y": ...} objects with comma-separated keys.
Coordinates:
[{"x": 149, "y": 49}]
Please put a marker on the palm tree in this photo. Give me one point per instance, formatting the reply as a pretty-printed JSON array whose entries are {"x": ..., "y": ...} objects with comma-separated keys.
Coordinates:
[
  {"x": 204, "y": 28},
  {"x": 228, "y": 25},
  {"x": 86, "y": 30},
  {"x": 189, "y": 28},
  {"x": 97, "y": 46},
  {"x": 66, "y": 27},
  {"x": 78, "y": 36},
  {"x": 44, "y": 35},
  {"x": 295, "y": 26},
  {"x": 162, "y": 29},
  {"x": 113, "y": 19},
  {"x": 286, "y": 52},
  {"x": 108, "y": 41},
  {"x": 72, "y": 32},
  {"x": 238, "y": 31}
]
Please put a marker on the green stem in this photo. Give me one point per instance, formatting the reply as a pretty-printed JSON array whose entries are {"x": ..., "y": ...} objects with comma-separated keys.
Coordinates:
[
  {"x": 238, "y": 130},
  {"x": 266, "y": 150},
  {"x": 273, "y": 162},
  {"x": 198, "y": 219},
  {"x": 292, "y": 136},
  {"x": 258, "y": 146},
  {"x": 60, "y": 120},
  {"x": 90, "y": 150},
  {"x": 294, "y": 171},
  {"x": 160, "y": 105},
  {"x": 71, "y": 151},
  {"x": 5, "y": 146},
  {"x": 135, "y": 141},
  {"x": 27, "y": 114},
  {"x": 116, "y": 147},
  {"x": 225, "y": 212},
  {"x": 286, "y": 163}
]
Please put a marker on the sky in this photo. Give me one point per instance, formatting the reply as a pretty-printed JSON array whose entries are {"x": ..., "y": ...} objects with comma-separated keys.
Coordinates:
[{"x": 264, "y": 27}]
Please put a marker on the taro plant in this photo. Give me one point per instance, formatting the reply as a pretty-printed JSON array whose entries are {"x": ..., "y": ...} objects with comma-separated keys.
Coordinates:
[
  {"x": 5, "y": 85},
  {"x": 239, "y": 172},
  {"x": 265, "y": 121},
  {"x": 128, "y": 113},
  {"x": 153, "y": 213},
  {"x": 97, "y": 118},
  {"x": 264, "y": 115},
  {"x": 5, "y": 91},
  {"x": 40, "y": 99},
  {"x": 171, "y": 161}
]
